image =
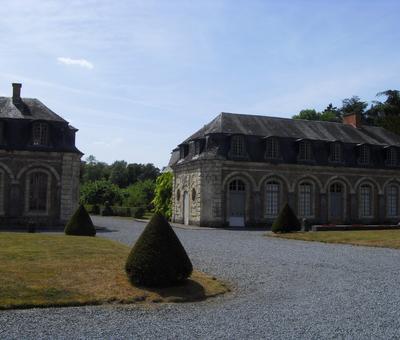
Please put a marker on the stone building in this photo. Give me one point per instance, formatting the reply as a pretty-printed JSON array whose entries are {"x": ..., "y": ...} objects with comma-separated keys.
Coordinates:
[
  {"x": 39, "y": 163},
  {"x": 239, "y": 170}
]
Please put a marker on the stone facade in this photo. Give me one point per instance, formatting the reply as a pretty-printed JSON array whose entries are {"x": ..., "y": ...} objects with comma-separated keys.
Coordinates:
[
  {"x": 39, "y": 164},
  {"x": 338, "y": 193}
]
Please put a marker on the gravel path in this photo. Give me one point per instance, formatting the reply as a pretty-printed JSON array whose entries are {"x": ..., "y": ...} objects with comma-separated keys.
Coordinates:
[{"x": 282, "y": 289}]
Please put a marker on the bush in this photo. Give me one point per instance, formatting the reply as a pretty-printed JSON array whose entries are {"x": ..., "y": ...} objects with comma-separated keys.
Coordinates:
[
  {"x": 140, "y": 194},
  {"x": 158, "y": 258},
  {"x": 92, "y": 209},
  {"x": 138, "y": 212},
  {"x": 99, "y": 192},
  {"x": 163, "y": 194},
  {"x": 286, "y": 221},
  {"x": 80, "y": 224},
  {"x": 107, "y": 210},
  {"x": 121, "y": 211}
]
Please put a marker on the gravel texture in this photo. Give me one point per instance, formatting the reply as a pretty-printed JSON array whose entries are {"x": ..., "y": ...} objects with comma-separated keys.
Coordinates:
[{"x": 282, "y": 289}]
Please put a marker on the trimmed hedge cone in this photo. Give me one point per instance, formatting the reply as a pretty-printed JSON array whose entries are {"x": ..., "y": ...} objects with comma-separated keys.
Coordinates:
[
  {"x": 158, "y": 258},
  {"x": 80, "y": 224},
  {"x": 286, "y": 221}
]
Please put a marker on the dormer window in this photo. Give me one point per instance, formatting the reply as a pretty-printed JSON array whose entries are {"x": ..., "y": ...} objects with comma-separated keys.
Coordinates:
[
  {"x": 197, "y": 147},
  {"x": 1, "y": 132},
  {"x": 391, "y": 157},
  {"x": 183, "y": 151},
  {"x": 40, "y": 134},
  {"x": 336, "y": 152},
  {"x": 305, "y": 151},
  {"x": 272, "y": 151},
  {"x": 364, "y": 157},
  {"x": 238, "y": 146}
]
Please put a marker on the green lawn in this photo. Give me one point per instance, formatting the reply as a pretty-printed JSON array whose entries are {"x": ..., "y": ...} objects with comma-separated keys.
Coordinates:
[
  {"x": 38, "y": 270},
  {"x": 372, "y": 238}
]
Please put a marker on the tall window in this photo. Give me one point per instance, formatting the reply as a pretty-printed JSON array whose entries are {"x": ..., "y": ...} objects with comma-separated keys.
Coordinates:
[
  {"x": 365, "y": 200},
  {"x": 38, "y": 192},
  {"x": 237, "y": 185},
  {"x": 40, "y": 134},
  {"x": 272, "y": 199},
  {"x": 272, "y": 148},
  {"x": 364, "y": 154},
  {"x": 238, "y": 146},
  {"x": 391, "y": 157},
  {"x": 392, "y": 200},
  {"x": 305, "y": 151},
  {"x": 305, "y": 200},
  {"x": 1, "y": 132},
  {"x": 336, "y": 152}
]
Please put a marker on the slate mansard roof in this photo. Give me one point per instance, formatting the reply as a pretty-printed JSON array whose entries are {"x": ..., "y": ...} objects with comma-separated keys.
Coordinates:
[
  {"x": 18, "y": 114},
  {"x": 288, "y": 130},
  {"x": 27, "y": 108},
  {"x": 265, "y": 126}
]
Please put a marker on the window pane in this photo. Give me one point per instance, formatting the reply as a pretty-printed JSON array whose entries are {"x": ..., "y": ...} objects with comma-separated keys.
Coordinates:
[
  {"x": 365, "y": 201},
  {"x": 38, "y": 192},
  {"x": 272, "y": 199},
  {"x": 392, "y": 200},
  {"x": 305, "y": 200}
]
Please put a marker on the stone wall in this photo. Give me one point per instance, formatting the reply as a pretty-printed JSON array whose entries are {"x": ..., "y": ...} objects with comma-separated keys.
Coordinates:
[
  {"x": 214, "y": 177},
  {"x": 62, "y": 170}
]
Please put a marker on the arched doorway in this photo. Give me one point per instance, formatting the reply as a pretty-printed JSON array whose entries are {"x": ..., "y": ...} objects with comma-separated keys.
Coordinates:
[
  {"x": 336, "y": 198},
  {"x": 186, "y": 208},
  {"x": 237, "y": 203}
]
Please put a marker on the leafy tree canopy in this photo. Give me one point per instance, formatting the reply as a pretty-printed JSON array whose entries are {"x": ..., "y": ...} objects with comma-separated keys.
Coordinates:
[{"x": 163, "y": 194}]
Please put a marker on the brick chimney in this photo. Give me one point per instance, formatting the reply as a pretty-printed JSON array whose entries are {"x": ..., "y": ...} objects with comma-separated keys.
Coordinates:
[
  {"x": 16, "y": 91},
  {"x": 353, "y": 119}
]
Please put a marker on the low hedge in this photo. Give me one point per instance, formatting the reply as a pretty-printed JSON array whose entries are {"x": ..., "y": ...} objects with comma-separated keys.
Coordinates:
[{"x": 115, "y": 210}]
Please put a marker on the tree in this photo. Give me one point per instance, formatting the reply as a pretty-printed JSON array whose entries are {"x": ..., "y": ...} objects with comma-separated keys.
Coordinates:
[
  {"x": 92, "y": 170},
  {"x": 140, "y": 194},
  {"x": 163, "y": 194},
  {"x": 99, "y": 192},
  {"x": 353, "y": 105},
  {"x": 141, "y": 172},
  {"x": 119, "y": 174},
  {"x": 308, "y": 114},
  {"x": 331, "y": 114},
  {"x": 158, "y": 258}
]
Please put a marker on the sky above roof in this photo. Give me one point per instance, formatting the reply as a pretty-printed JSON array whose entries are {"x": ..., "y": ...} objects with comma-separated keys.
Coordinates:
[{"x": 138, "y": 77}]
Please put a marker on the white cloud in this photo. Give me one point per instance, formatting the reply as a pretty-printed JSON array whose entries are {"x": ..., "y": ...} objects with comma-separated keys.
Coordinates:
[{"x": 79, "y": 62}]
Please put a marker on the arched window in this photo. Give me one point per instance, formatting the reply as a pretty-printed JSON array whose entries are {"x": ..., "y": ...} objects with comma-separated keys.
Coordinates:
[
  {"x": 237, "y": 185},
  {"x": 391, "y": 157},
  {"x": 38, "y": 191},
  {"x": 40, "y": 134},
  {"x": 365, "y": 200},
  {"x": 305, "y": 153},
  {"x": 272, "y": 151},
  {"x": 336, "y": 152},
  {"x": 364, "y": 155},
  {"x": 272, "y": 198},
  {"x": 392, "y": 200},
  {"x": 238, "y": 146},
  {"x": 305, "y": 200}
]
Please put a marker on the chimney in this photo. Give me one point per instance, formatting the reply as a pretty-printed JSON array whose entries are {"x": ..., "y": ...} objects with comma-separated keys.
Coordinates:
[
  {"x": 16, "y": 91},
  {"x": 353, "y": 119}
]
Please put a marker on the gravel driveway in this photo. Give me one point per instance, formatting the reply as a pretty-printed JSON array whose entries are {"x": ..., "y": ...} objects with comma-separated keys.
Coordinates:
[{"x": 283, "y": 289}]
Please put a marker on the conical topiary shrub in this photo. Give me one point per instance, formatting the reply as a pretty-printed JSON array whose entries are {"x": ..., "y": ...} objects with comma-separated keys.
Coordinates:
[
  {"x": 286, "y": 221},
  {"x": 158, "y": 258},
  {"x": 80, "y": 224}
]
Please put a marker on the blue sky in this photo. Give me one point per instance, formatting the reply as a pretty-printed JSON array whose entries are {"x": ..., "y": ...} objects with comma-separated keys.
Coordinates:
[{"x": 138, "y": 77}]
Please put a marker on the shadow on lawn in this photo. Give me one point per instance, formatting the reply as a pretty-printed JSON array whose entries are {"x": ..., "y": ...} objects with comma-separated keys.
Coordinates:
[{"x": 187, "y": 291}]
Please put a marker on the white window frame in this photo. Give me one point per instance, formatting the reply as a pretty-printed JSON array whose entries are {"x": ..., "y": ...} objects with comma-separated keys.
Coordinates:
[
  {"x": 272, "y": 198},
  {"x": 272, "y": 148},
  {"x": 238, "y": 147},
  {"x": 306, "y": 199},
  {"x": 40, "y": 134},
  {"x": 365, "y": 155},
  {"x": 391, "y": 157},
  {"x": 305, "y": 153},
  {"x": 366, "y": 200},
  {"x": 392, "y": 200},
  {"x": 336, "y": 153}
]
